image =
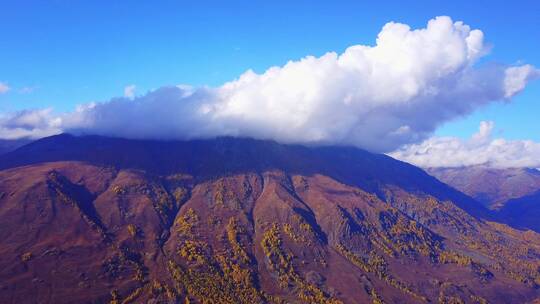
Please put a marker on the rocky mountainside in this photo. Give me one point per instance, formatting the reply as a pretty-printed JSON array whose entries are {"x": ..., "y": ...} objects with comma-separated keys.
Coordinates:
[
  {"x": 490, "y": 186},
  {"x": 103, "y": 220}
]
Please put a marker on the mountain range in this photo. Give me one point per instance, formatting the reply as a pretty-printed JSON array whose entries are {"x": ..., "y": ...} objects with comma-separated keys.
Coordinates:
[
  {"x": 493, "y": 187},
  {"x": 90, "y": 219},
  {"x": 513, "y": 193}
]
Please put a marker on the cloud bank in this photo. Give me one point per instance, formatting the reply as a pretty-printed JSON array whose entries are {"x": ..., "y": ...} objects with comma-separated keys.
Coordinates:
[
  {"x": 480, "y": 149},
  {"x": 30, "y": 124},
  {"x": 377, "y": 97}
]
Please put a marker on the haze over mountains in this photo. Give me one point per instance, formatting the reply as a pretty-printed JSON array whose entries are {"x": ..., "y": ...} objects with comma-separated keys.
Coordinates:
[{"x": 96, "y": 219}]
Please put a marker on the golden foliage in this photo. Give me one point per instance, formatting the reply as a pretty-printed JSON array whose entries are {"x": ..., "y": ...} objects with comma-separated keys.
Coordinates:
[
  {"x": 133, "y": 230},
  {"x": 303, "y": 234},
  {"x": 233, "y": 229},
  {"x": 193, "y": 251},
  {"x": 281, "y": 263},
  {"x": 115, "y": 297},
  {"x": 187, "y": 222},
  {"x": 27, "y": 256},
  {"x": 118, "y": 190},
  {"x": 133, "y": 296},
  {"x": 376, "y": 264}
]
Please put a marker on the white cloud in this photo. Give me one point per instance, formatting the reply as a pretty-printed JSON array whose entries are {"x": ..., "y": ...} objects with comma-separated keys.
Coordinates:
[
  {"x": 129, "y": 91},
  {"x": 4, "y": 88},
  {"x": 376, "y": 97},
  {"x": 517, "y": 77},
  {"x": 480, "y": 149},
  {"x": 30, "y": 124},
  {"x": 484, "y": 132}
]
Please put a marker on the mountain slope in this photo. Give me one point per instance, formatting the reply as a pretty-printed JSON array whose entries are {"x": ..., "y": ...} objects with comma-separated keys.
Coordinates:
[{"x": 92, "y": 219}]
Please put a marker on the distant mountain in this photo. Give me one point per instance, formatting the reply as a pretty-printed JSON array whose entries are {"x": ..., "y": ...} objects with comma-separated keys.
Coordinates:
[
  {"x": 492, "y": 187},
  {"x": 8, "y": 145},
  {"x": 513, "y": 193},
  {"x": 94, "y": 220}
]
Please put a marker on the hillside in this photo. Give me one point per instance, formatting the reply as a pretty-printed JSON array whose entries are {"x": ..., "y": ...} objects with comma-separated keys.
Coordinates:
[{"x": 93, "y": 220}]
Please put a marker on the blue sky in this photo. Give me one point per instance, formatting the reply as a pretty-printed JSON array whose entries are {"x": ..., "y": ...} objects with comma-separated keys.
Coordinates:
[{"x": 72, "y": 52}]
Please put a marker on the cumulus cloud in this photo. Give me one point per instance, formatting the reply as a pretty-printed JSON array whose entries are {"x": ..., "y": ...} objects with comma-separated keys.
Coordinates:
[
  {"x": 30, "y": 124},
  {"x": 4, "y": 88},
  {"x": 480, "y": 149},
  {"x": 378, "y": 97},
  {"x": 129, "y": 91}
]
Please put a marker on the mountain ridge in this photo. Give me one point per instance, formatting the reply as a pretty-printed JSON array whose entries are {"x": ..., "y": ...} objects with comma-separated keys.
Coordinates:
[{"x": 247, "y": 155}]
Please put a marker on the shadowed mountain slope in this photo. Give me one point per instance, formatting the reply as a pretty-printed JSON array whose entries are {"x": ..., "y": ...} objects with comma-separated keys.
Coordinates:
[{"x": 523, "y": 212}]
